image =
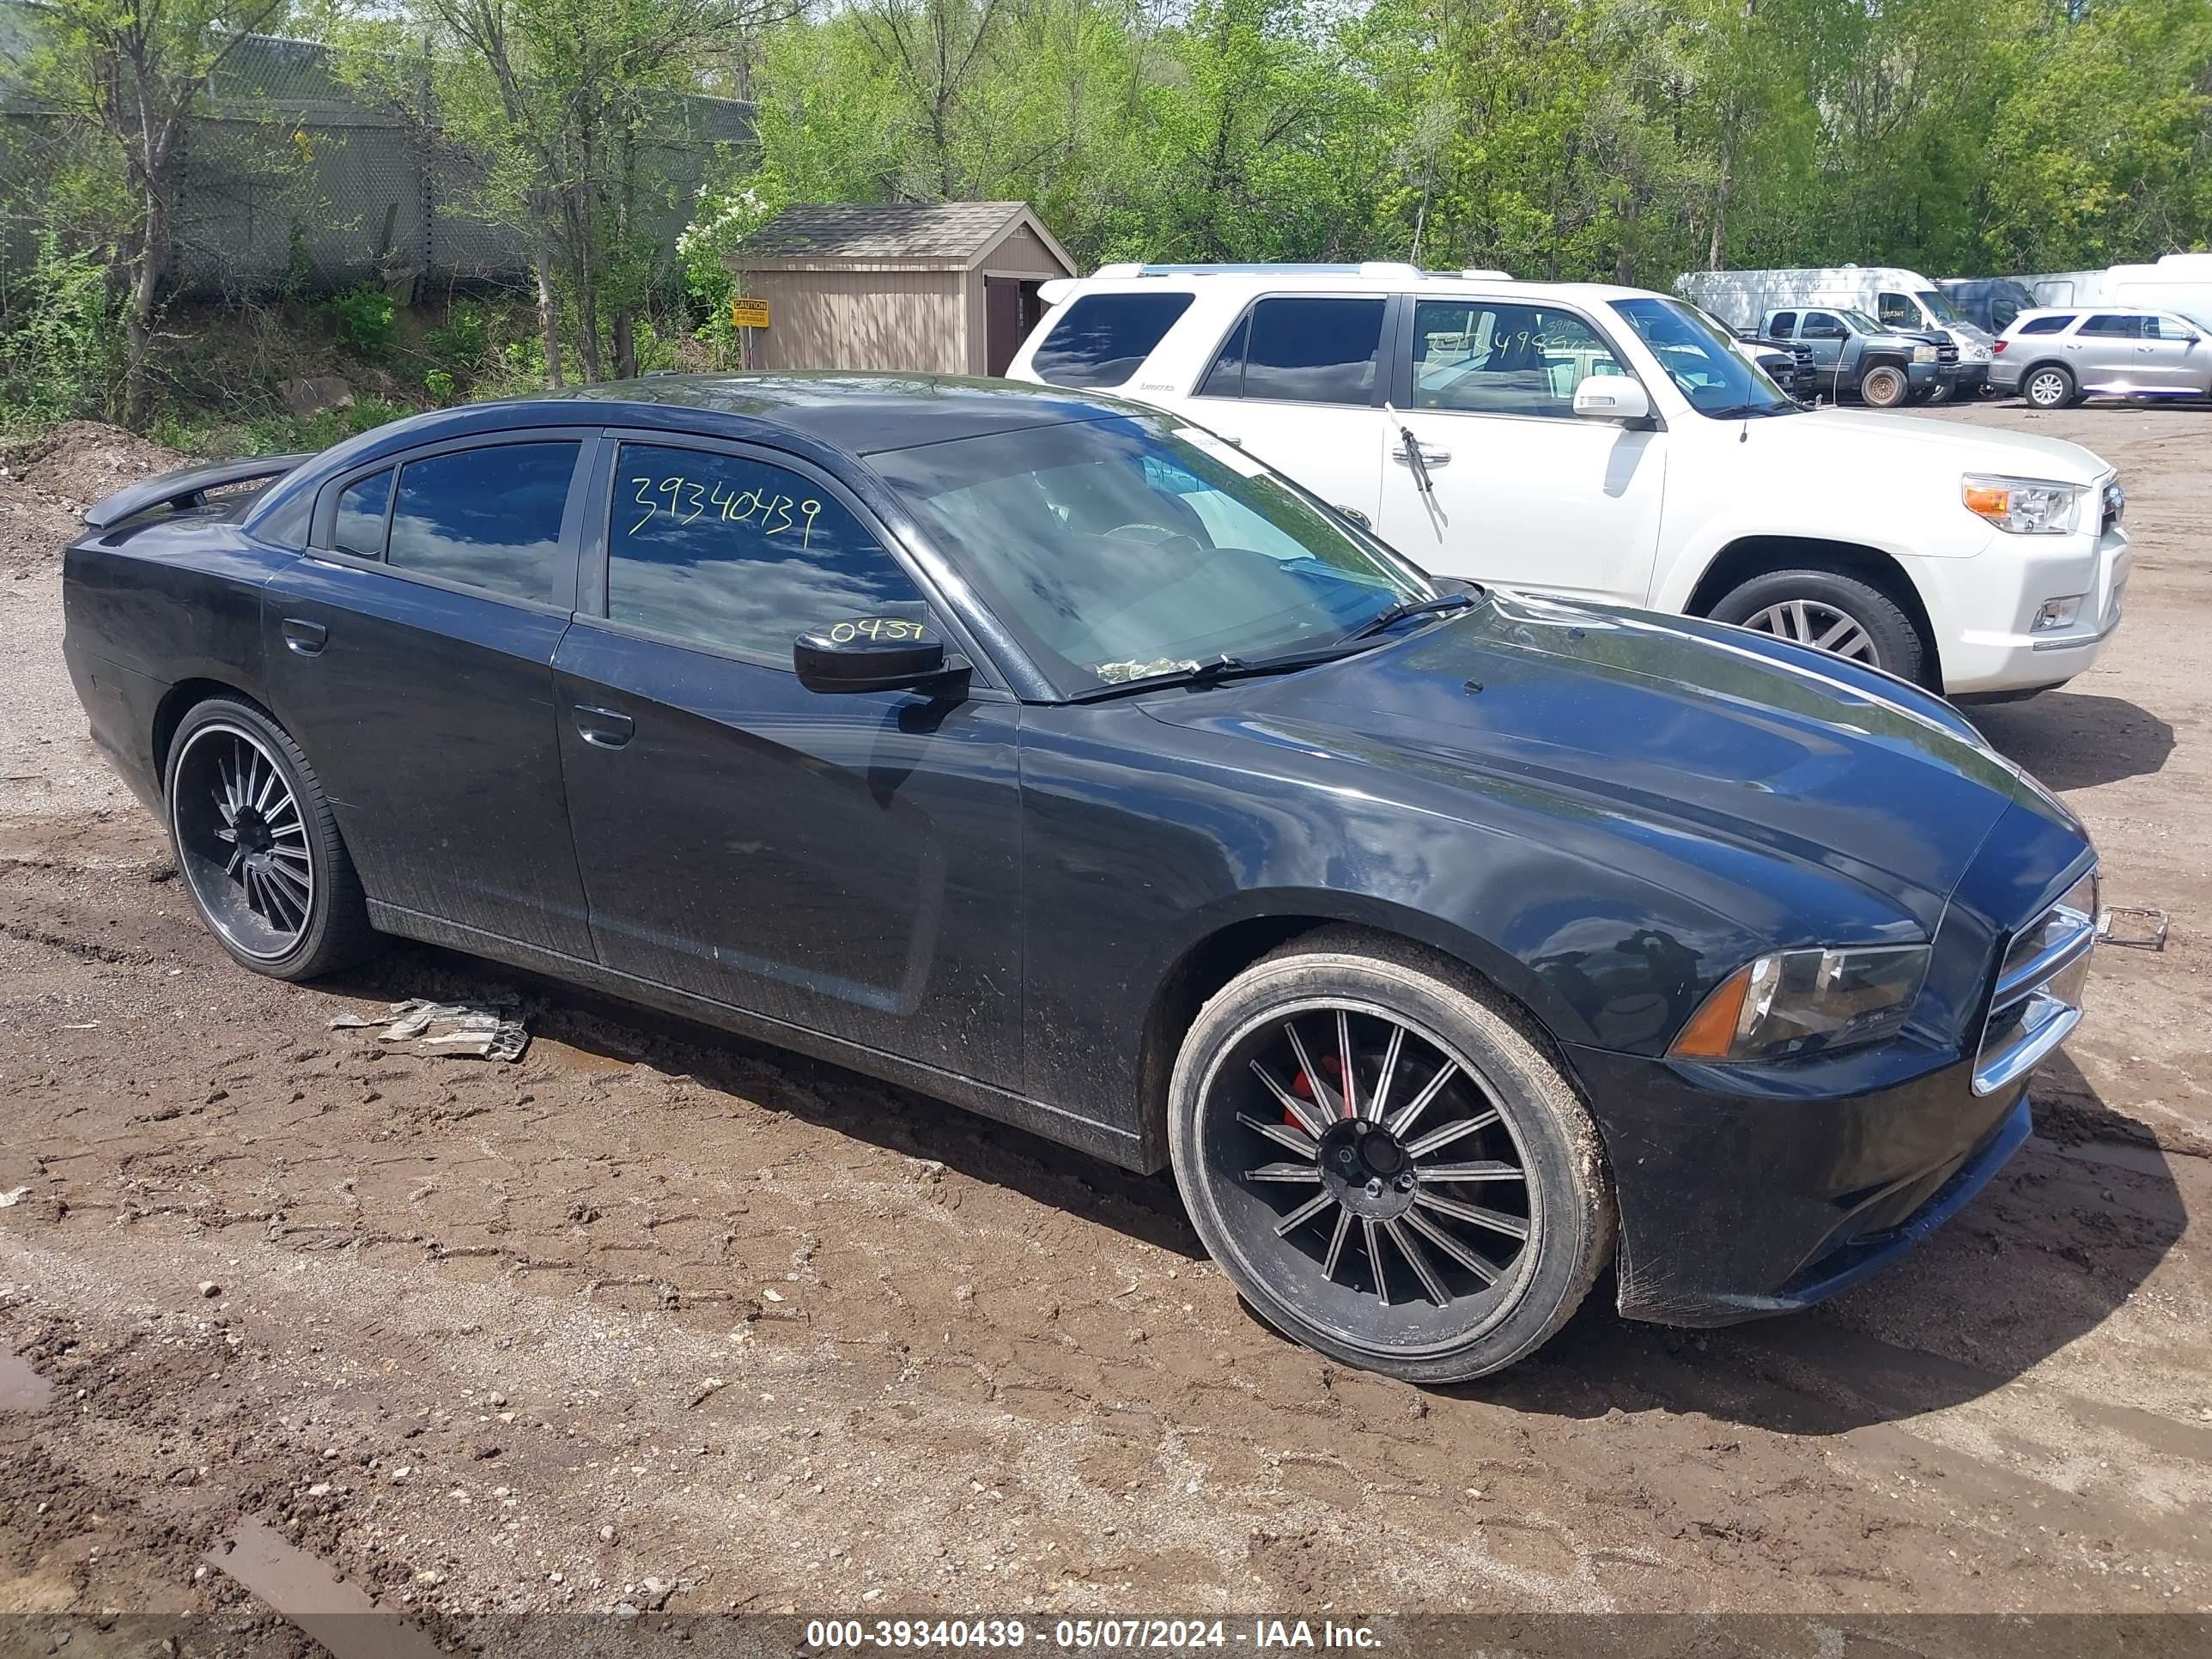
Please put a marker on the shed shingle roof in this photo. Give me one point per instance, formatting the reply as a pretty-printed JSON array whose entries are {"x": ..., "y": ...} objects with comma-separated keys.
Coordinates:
[{"x": 949, "y": 234}]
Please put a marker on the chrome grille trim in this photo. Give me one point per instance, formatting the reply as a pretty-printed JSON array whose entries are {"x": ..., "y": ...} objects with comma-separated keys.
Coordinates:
[{"x": 2029, "y": 1014}]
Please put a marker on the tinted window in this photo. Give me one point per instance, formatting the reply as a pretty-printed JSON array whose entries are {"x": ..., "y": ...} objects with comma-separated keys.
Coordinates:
[
  {"x": 1104, "y": 338},
  {"x": 1818, "y": 326},
  {"x": 362, "y": 508},
  {"x": 1304, "y": 351},
  {"x": 740, "y": 555},
  {"x": 2001, "y": 314},
  {"x": 1227, "y": 378},
  {"x": 1489, "y": 359},
  {"x": 1897, "y": 310},
  {"x": 490, "y": 517},
  {"x": 2121, "y": 328},
  {"x": 1784, "y": 326},
  {"x": 2044, "y": 325}
]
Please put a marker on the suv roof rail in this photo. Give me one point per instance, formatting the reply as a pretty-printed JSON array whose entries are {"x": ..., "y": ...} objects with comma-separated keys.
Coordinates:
[{"x": 1397, "y": 269}]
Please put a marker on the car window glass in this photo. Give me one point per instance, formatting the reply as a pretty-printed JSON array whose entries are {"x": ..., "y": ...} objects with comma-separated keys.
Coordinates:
[
  {"x": 1897, "y": 310},
  {"x": 1102, "y": 339},
  {"x": 740, "y": 555},
  {"x": 362, "y": 509},
  {"x": 1480, "y": 357},
  {"x": 1310, "y": 351},
  {"x": 2111, "y": 327},
  {"x": 1226, "y": 379},
  {"x": 2044, "y": 325},
  {"x": 2001, "y": 314},
  {"x": 1784, "y": 326},
  {"x": 2168, "y": 328},
  {"x": 488, "y": 517},
  {"x": 1819, "y": 326}
]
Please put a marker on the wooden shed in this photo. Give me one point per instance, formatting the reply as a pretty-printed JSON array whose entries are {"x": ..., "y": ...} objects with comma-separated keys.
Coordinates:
[{"x": 945, "y": 290}]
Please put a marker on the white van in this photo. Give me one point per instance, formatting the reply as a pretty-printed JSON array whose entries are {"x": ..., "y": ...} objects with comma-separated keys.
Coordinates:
[
  {"x": 1895, "y": 297},
  {"x": 1611, "y": 444},
  {"x": 2179, "y": 282}
]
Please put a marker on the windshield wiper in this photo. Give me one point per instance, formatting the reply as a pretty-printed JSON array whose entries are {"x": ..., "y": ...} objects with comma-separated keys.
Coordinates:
[
  {"x": 1754, "y": 411},
  {"x": 1216, "y": 669},
  {"x": 1398, "y": 613}
]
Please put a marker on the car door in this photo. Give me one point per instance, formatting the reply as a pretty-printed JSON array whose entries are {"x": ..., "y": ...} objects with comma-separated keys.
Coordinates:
[
  {"x": 2171, "y": 358},
  {"x": 1298, "y": 382},
  {"x": 410, "y": 652},
  {"x": 1827, "y": 337},
  {"x": 1520, "y": 491},
  {"x": 2101, "y": 352},
  {"x": 844, "y": 863}
]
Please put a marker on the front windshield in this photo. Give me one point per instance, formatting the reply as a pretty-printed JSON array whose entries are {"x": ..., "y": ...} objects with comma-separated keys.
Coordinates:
[
  {"x": 1702, "y": 360},
  {"x": 1939, "y": 306},
  {"x": 1119, "y": 548}
]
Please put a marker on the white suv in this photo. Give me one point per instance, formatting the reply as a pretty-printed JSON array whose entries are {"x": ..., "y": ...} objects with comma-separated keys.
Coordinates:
[{"x": 1610, "y": 442}]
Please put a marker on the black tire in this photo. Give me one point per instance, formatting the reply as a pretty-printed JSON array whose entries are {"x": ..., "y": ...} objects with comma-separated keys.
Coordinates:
[
  {"x": 273, "y": 883},
  {"x": 1938, "y": 393},
  {"x": 1427, "y": 1314},
  {"x": 2048, "y": 386},
  {"x": 1770, "y": 604},
  {"x": 1884, "y": 386}
]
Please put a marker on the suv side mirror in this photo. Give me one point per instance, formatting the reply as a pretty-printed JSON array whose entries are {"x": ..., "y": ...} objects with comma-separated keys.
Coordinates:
[
  {"x": 1618, "y": 397},
  {"x": 875, "y": 653}
]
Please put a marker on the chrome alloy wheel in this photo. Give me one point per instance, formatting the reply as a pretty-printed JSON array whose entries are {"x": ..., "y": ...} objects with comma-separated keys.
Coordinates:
[
  {"x": 241, "y": 842},
  {"x": 1818, "y": 624},
  {"x": 1369, "y": 1178},
  {"x": 2047, "y": 388}
]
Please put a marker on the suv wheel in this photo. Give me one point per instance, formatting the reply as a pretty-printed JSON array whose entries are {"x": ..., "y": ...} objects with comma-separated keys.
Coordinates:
[
  {"x": 257, "y": 846},
  {"x": 1831, "y": 611},
  {"x": 1883, "y": 386},
  {"x": 2048, "y": 385},
  {"x": 1380, "y": 1156}
]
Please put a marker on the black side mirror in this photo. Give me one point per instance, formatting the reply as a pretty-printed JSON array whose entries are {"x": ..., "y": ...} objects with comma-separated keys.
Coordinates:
[{"x": 875, "y": 653}]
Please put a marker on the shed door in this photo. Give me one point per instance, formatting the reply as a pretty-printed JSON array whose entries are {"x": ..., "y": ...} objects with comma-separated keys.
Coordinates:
[{"x": 1012, "y": 307}]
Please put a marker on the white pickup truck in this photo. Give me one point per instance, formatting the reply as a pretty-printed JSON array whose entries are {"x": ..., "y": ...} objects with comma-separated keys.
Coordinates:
[{"x": 1610, "y": 442}]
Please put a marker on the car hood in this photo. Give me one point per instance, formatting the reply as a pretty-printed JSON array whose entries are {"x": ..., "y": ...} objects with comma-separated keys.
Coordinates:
[
  {"x": 1695, "y": 730},
  {"x": 2017, "y": 454}
]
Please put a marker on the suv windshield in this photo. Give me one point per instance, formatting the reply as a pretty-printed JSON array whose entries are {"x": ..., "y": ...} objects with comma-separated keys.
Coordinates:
[
  {"x": 1121, "y": 549},
  {"x": 1701, "y": 360}
]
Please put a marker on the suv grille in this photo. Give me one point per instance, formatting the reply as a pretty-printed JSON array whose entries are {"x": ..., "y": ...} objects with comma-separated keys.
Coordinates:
[{"x": 2038, "y": 999}]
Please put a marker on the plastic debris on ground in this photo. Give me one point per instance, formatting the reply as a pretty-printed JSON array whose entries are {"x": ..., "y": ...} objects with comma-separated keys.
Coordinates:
[{"x": 482, "y": 1031}]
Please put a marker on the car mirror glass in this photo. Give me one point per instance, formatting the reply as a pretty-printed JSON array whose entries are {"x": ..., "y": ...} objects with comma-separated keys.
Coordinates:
[{"x": 874, "y": 653}]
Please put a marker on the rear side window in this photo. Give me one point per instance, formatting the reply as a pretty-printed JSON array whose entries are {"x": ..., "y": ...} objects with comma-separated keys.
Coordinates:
[
  {"x": 489, "y": 518},
  {"x": 1102, "y": 339},
  {"x": 740, "y": 555},
  {"x": 1784, "y": 326},
  {"x": 2115, "y": 328},
  {"x": 1301, "y": 351},
  {"x": 2045, "y": 324},
  {"x": 363, "y": 508}
]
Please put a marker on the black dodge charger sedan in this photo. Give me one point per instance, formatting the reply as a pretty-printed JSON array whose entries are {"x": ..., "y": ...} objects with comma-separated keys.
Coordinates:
[{"x": 1058, "y": 760}]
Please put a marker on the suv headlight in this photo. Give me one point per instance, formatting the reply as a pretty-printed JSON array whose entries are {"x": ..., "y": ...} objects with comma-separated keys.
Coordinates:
[
  {"x": 1923, "y": 354},
  {"x": 2023, "y": 506},
  {"x": 1801, "y": 1002}
]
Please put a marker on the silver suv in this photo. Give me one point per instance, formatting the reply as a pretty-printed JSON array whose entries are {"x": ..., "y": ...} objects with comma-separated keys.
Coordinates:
[{"x": 2057, "y": 356}]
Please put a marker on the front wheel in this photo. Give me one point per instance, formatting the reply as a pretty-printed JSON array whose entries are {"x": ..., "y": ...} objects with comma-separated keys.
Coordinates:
[
  {"x": 257, "y": 845},
  {"x": 1830, "y": 612},
  {"x": 1940, "y": 394},
  {"x": 1884, "y": 386},
  {"x": 2048, "y": 386},
  {"x": 1379, "y": 1155}
]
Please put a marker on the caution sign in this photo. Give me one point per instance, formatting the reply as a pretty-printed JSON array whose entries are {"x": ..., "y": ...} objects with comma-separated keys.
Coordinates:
[{"x": 748, "y": 313}]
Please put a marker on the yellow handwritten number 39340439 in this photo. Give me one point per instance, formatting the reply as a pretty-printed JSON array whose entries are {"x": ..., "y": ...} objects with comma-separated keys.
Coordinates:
[{"x": 686, "y": 502}]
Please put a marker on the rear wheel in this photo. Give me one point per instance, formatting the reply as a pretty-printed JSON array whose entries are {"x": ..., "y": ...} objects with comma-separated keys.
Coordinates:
[
  {"x": 258, "y": 848},
  {"x": 1379, "y": 1155},
  {"x": 1830, "y": 612},
  {"x": 1883, "y": 386},
  {"x": 2048, "y": 385}
]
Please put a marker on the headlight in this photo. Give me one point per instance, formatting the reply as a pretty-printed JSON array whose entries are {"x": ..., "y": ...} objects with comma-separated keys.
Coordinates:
[
  {"x": 1799, "y": 1002},
  {"x": 2023, "y": 506},
  {"x": 1923, "y": 354}
]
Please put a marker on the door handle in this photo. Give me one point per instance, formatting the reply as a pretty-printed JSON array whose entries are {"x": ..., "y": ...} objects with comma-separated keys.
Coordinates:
[
  {"x": 604, "y": 728},
  {"x": 303, "y": 638},
  {"x": 1431, "y": 456}
]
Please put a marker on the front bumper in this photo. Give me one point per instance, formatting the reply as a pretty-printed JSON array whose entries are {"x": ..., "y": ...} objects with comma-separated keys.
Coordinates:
[
  {"x": 1984, "y": 608},
  {"x": 1738, "y": 1200}
]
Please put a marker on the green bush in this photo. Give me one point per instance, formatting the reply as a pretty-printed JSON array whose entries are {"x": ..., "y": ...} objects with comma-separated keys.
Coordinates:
[
  {"x": 61, "y": 338},
  {"x": 363, "y": 318},
  {"x": 459, "y": 347},
  {"x": 439, "y": 383}
]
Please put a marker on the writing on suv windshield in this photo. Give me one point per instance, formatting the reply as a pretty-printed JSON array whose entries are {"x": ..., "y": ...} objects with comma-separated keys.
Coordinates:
[{"x": 1125, "y": 549}]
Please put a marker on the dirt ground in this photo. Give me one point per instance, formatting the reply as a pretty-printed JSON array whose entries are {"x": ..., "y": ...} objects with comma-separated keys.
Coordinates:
[{"x": 658, "y": 1319}]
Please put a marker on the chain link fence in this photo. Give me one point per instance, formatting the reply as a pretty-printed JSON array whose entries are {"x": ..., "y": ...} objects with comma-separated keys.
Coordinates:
[{"x": 291, "y": 180}]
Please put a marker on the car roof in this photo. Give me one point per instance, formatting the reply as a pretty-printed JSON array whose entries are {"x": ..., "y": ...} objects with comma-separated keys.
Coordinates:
[
  {"x": 1381, "y": 277},
  {"x": 2095, "y": 309}
]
